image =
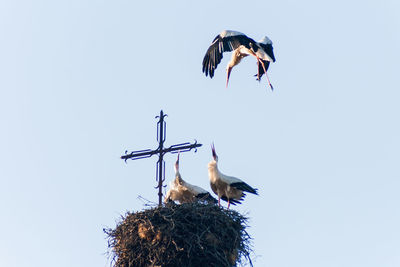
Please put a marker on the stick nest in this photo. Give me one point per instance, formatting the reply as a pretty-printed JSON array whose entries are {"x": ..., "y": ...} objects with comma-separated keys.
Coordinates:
[{"x": 191, "y": 234}]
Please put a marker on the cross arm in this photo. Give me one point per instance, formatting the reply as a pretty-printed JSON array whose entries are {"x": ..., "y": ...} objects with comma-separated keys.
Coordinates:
[
  {"x": 182, "y": 147},
  {"x": 139, "y": 154}
]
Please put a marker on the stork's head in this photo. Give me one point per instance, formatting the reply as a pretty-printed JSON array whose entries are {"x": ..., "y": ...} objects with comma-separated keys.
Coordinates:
[
  {"x": 213, "y": 152},
  {"x": 266, "y": 45},
  {"x": 265, "y": 40},
  {"x": 176, "y": 166}
]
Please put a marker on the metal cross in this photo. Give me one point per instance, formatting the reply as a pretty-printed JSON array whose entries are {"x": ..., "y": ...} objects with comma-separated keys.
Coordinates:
[{"x": 161, "y": 151}]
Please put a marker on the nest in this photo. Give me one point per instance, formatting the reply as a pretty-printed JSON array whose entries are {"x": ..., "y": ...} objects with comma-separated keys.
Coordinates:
[{"x": 191, "y": 234}]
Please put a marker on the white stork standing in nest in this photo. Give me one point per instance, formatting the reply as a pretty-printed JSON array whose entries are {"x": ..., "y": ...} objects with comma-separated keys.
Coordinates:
[
  {"x": 183, "y": 192},
  {"x": 228, "y": 188},
  {"x": 243, "y": 46}
]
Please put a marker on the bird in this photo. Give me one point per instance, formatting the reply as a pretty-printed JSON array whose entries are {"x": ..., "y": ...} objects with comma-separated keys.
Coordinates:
[
  {"x": 242, "y": 46},
  {"x": 228, "y": 188},
  {"x": 184, "y": 192}
]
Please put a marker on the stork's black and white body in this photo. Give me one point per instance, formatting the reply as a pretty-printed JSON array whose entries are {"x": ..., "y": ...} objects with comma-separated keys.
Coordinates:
[
  {"x": 228, "y": 188},
  {"x": 242, "y": 46},
  {"x": 184, "y": 192}
]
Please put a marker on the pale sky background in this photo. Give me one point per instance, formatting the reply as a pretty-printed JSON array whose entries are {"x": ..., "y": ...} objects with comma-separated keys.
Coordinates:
[{"x": 82, "y": 80}]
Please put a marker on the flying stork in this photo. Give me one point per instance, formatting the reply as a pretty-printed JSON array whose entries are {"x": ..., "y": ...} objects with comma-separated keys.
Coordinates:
[
  {"x": 228, "y": 188},
  {"x": 183, "y": 192},
  {"x": 243, "y": 46}
]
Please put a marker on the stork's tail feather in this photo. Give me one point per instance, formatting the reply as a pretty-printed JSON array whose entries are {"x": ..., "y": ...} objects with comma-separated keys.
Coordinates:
[
  {"x": 206, "y": 197},
  {"x": 244, "y": 187}
]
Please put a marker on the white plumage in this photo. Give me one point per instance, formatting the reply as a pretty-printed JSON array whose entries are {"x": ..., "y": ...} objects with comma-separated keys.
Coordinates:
[
  {"x": 184, "y": 192},
  {"x": 242, "y": 46},
  {"x": 228, "y": 188}
]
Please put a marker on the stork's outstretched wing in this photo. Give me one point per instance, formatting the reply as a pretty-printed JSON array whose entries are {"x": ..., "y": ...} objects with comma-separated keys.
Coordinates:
[{"x": 226, "y": 41}]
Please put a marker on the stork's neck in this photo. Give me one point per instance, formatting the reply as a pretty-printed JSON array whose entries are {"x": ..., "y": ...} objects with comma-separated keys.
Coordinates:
[
  {"x": 178, "y": 178},
  {"x": 213, "y": 171},
  {"x": 236, "y": 58}
]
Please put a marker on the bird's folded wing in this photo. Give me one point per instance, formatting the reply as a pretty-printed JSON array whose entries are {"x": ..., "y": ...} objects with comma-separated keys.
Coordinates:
[{"x": 244, "y": 187}]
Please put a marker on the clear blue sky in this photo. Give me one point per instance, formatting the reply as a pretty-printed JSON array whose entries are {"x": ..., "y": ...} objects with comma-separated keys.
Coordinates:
[{"x": 81, "y": 81}]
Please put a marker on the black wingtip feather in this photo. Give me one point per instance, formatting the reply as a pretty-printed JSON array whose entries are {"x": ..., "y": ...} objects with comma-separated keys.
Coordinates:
[
  {"x": 232, "y": 201},
  {"x": 220, "y": 45},
  {"x": 245, "y": 187}
]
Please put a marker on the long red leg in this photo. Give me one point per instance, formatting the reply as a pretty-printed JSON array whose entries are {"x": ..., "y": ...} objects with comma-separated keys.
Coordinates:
[
  {"x": 229, "y": 203},
  {"x": 262, "y": 64},
  {"x": 258, "y": 74}
]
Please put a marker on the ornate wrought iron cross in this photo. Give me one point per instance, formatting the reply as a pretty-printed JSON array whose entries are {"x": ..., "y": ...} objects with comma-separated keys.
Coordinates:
[{"x": 161, "y": 151}]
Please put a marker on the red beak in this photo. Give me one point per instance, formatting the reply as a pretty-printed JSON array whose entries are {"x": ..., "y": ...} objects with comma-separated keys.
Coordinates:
[
  {"x": 228, "y": 73},
  {"x": 177, "y": 162},
  {"x": 213, "y": 151}
]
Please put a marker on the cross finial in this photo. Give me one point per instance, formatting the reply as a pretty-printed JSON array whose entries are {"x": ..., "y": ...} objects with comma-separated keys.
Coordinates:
[{"x": 161, "y": 151}]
